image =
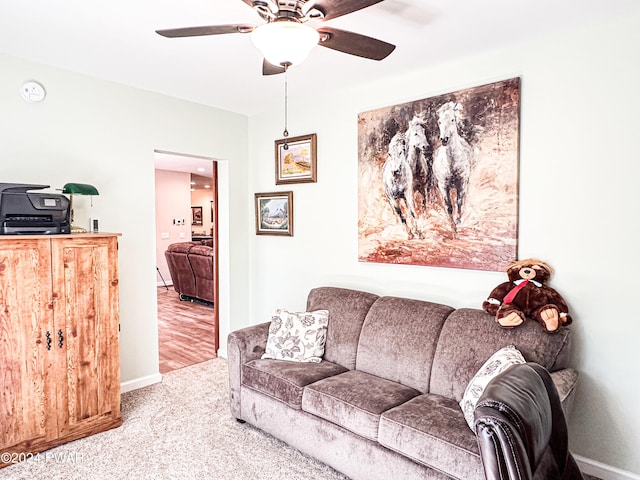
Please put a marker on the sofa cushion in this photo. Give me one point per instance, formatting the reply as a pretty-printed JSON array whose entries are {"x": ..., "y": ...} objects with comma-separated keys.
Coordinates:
[
  {"x": 347, "y": 309},
  {"x": 431, "y": 430},
  {"x": 470, "y": 336},
  {"x": 285, "y": 381},
  {"x": 354, "y": 400},
  {"x": 297, "y": 336},
  {"x": 399, "y": 339}
]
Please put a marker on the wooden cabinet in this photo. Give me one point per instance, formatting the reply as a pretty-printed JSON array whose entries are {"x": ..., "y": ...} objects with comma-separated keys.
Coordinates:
[{"x": 59, "y": 358}]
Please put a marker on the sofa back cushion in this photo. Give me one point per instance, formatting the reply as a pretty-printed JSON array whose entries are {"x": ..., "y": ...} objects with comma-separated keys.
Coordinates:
[
  {"x": 347, "y": 310},
  {"x": 470, "y": 336},
  {"x": 399, "y": 338}
]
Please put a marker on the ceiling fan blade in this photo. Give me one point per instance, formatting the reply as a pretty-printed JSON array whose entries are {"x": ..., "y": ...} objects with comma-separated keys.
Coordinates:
[
  {"x": 337, "y": 8},
  {"x": 271, "y": 69},
  {"x": 208, "y": 30},
  {"x": 354, "y": 43}
]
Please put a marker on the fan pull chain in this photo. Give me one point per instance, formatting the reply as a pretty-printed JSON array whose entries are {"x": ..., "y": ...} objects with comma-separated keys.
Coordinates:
[{"x": 286, "y": 83}]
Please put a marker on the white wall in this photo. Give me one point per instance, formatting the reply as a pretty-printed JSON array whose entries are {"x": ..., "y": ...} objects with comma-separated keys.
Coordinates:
[
  {"x": 97, "y": 132},
  {"x": 173, "y": 201},
  {"x": 579, "y": 168}
]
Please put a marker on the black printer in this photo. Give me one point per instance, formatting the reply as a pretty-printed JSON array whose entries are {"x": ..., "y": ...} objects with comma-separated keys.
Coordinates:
[{"x": 23, "y": 212}]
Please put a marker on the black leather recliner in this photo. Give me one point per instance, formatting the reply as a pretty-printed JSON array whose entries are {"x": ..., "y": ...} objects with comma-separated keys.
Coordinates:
[{"x": 521, "y": 428}]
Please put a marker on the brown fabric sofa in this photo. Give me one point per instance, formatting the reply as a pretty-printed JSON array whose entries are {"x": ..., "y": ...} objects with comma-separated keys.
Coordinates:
[
  {"x": 383, "y": 403},
  {"x": 191, "y": 269}
]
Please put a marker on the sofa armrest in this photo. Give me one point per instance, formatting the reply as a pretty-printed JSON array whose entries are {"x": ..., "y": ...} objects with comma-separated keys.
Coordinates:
[
  {"x": 565, "y": 381},
  {"x": 243, "y": 346}
]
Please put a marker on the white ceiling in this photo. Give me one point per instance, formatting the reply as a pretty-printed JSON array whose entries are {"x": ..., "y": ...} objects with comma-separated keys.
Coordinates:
[
  {"x": 183, "y": 163},
  {"x": 116, "y": 40}
]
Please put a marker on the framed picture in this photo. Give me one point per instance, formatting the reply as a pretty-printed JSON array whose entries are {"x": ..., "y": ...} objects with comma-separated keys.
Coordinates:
[
  {"x": 196, "y": 215},
  {"x": 438, "y": 179},
  {"x": 274, "y": 213},
  {"x": 296, "y": 159}
]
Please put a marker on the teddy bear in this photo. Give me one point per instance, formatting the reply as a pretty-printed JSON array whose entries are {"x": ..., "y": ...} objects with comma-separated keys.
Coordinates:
[{"x": 525, "y": 295}]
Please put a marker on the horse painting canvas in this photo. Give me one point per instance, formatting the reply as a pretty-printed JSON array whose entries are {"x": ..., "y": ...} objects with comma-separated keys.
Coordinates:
[{"x": 438, "y": 179}]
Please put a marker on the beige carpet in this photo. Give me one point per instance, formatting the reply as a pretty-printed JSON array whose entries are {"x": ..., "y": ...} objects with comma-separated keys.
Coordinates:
[{"x": 179, "y": 429}]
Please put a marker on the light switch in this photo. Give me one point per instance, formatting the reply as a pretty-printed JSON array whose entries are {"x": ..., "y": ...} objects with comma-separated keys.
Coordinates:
[
  {"x": 182, "y": 235},
  {"x": 164, "y": 235}
]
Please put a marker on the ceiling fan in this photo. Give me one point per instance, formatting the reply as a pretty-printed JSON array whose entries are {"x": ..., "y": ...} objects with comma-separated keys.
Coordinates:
[{"x": 286, "y": 39}]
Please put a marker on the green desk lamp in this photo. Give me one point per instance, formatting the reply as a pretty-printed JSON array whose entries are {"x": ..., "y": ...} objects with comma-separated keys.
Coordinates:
[{"x": 78, "y": 189}]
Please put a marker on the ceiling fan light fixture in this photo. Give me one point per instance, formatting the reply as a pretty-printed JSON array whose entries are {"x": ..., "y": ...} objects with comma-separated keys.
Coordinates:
[{"x": 285, "y": 42}]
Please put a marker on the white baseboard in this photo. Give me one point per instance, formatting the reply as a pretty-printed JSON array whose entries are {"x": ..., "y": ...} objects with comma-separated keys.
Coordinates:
[
  {"x": 140, "y": 382},
  {"x": 602, "y": 470}
]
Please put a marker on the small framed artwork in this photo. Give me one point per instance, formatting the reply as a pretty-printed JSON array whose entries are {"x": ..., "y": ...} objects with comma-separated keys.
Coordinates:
[
  {"x": 274, "y": 213},
  {"x": 196, "y": 215},
  {"x": 296, "y": 159}
]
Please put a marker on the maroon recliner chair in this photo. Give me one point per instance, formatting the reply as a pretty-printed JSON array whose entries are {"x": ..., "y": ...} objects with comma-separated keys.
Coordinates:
[
  {"x": 184, "y": 282},
  {"x": 191, "y": 269},
  {"x": 201, "y": 260}
]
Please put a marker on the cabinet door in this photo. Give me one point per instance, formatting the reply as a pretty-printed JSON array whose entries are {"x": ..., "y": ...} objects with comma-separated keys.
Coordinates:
[
  {"x": 27, "y": 407},
  {"x": 85, "y": 276}
]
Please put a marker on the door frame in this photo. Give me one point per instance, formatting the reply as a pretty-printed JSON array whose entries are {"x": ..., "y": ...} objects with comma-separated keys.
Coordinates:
[{"x": 216, "y": 232}]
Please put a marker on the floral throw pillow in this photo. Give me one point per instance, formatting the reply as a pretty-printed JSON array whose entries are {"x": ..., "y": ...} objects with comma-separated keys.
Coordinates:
[
  {"x": 498, "y": 362},
  {"x": 297, "y": 336}
]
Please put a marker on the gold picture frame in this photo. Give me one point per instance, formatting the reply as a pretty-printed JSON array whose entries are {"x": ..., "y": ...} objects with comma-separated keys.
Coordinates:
[
  {"x": 296, "y": 160},
  {"x": 274, "y": 213}
]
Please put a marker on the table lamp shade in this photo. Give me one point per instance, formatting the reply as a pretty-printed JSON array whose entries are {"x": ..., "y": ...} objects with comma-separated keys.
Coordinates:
[{"x": 80, "y": 189}]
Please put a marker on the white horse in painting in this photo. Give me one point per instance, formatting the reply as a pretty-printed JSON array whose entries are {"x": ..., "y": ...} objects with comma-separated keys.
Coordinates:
[
  {"x": 397, "y": 179},
  {"x": 452, "y": 161}
]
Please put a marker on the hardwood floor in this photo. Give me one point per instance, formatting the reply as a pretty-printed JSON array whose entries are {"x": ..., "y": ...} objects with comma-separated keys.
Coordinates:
[{"x": 185, "y": 331}]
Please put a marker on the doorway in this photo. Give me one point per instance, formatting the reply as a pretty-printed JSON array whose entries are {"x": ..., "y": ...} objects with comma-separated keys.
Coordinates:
[{"x": 186, "y": 212}]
